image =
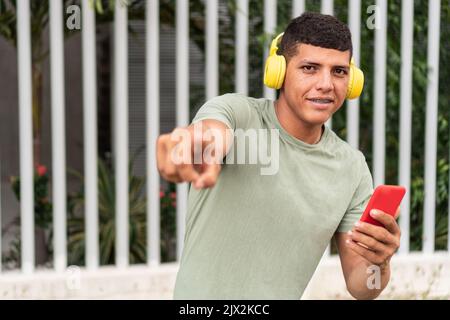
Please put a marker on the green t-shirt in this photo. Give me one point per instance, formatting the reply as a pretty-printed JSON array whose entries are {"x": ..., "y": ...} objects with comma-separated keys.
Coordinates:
[{"x": 255, "y": 236}]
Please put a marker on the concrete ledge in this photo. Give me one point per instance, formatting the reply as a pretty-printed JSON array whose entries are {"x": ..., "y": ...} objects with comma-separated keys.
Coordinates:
[
  {"x": 135, "y": 282},
  {"x": 414, "y": 276}
]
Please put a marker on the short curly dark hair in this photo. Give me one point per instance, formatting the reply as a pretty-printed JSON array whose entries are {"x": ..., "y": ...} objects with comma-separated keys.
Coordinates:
[{"x": 316, "y": 29}]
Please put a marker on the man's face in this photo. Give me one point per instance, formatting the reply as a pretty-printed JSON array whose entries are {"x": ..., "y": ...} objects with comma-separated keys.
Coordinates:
[{"x": 316, "y": 81}]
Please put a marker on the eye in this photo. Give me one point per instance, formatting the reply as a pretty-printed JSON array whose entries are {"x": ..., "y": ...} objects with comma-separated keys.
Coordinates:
[
  {"x": 340, "y": 71},
  {"x": 308, "y": 68}
]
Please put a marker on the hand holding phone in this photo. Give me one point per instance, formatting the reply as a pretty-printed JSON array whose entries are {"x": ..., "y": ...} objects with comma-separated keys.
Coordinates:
[{"x": 386, "y": 198}]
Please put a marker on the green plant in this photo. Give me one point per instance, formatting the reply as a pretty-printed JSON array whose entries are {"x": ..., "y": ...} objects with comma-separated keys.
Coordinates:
[
  {"x": 256, "y": 46},
  {"x": 106, "y": 204},
  {"x": 42, "y": 205},
  {"x": 168, "y": 223},
  {"x": 257, "y": 40},
  {"x": 42, "y": 219},
  {"x": 137, "y": 218},
  {"x": 39, "y": 19}
]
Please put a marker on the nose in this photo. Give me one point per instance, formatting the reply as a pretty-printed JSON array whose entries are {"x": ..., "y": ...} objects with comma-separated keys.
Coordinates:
[{"x": 325, "y": 82}]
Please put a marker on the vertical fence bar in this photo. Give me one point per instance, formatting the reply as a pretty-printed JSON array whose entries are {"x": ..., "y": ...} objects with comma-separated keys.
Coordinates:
[
  {"x": 354, "y": 20},
  {"x": 90, "y": 136},
  {"x": 241, "y": 69},
  {"x": 153, "y": 105},
  {"x": 1, "y": 181},
  {"x": 270, "y": 24},
  {"x": 404, "y": 167},
  {"x": 212, "y": 49},
  {"x": 298, "y": 7},
  {"x": 379, "y": 105},
  {"x": 26, "y": 137},
  {"x": 434, "y": 14},
  {"x": 327, "y": 7},
  {"x": 58, "y": 136},
  {"x": 121, "y": 132},
  {"x": 182, "y": 106}
]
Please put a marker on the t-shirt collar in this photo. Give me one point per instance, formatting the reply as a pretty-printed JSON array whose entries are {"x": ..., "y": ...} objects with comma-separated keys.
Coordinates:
[{"x": 289, "y": 137}]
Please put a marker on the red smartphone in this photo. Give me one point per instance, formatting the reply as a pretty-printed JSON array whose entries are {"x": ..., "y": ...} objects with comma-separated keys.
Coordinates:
[{"x": 386, "y": 198}]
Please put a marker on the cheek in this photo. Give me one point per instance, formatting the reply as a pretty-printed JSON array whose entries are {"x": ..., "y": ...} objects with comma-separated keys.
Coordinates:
[
  {"x": 340, "y": 89},
  {"x": 302, "y": 87},
  {"x": 298, "y": 82}
]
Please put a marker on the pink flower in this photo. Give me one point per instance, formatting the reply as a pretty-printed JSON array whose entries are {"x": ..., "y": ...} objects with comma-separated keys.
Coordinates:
[
  {"x": 41, "y": 170},
  {"x": 161, "y": 194},
  {"x": 173, "y": 195},
  {"x": 174, "y": 204}
]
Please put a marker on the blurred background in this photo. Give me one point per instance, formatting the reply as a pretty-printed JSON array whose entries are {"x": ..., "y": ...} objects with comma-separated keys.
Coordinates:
[{"x": 87, "y": 86}]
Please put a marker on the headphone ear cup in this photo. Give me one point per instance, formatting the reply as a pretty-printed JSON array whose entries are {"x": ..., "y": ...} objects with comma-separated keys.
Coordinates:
[
  {"x": 355, "y": 83},
  {"x": 275, "y": 71}
]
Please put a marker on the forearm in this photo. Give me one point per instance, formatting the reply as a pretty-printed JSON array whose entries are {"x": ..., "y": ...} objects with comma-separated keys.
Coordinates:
[{"x": 367, "y": 281}]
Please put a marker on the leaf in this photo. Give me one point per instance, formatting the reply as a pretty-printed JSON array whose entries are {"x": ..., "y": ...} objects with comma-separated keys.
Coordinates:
[{"x": 99, "y": 6}]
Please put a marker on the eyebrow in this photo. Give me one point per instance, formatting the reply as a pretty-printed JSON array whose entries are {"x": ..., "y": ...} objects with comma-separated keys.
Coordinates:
[{"x": 318, "y": 64}]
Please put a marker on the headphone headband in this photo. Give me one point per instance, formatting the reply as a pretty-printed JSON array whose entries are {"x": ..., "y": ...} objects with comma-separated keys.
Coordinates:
[{"x": 274, "y": 45}]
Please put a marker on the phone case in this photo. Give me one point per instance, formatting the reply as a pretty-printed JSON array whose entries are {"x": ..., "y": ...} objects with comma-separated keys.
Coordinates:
[{"x": 386, "y": 198}]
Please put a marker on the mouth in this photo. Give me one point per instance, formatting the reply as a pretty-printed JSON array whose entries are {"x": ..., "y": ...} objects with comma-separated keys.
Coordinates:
[{"x": 321, "y": 103}]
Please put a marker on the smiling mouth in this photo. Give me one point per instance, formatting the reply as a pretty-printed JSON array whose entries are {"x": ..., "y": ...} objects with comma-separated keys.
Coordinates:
[
  {"x": 321, "y": 104},
  {"x": 321, "y": 101}
]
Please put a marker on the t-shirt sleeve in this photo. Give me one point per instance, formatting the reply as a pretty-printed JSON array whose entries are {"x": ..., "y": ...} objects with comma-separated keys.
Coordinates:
[
  {"x": 232, "y": 109},
  {"x": 360, "y": 198}
]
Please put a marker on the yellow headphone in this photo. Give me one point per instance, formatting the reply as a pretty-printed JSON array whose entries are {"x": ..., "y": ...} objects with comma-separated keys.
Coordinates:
[{"x": 275, "y": 71}]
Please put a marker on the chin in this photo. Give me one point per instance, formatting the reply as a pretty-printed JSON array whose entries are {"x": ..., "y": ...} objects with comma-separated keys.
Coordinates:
[{"x": 317, "y": 120}]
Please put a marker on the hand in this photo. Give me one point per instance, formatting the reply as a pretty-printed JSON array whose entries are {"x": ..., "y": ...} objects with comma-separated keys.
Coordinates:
[
  {"x": 175, "y": 157},
  {"x": 376, "y": 244}
]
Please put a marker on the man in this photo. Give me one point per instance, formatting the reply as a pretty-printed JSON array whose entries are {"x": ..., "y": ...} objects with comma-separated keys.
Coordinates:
[{"x": 256, "y": 236}]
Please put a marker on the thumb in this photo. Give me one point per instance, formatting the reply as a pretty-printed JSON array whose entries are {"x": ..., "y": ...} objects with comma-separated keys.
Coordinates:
[
  {"x": 208, "y": 177},
  {"x": 397, "y": 213}
]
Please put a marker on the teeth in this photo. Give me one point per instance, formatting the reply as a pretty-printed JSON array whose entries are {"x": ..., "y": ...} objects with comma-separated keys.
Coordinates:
[{"x": 321, "y": 100}]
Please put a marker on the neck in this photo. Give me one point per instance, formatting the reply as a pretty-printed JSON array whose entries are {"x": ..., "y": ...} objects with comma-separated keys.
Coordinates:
[{"x": 308, "y": 133}]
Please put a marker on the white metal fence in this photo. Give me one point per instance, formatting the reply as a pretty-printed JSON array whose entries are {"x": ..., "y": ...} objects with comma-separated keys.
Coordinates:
[{"x": 182, "y": 115}]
